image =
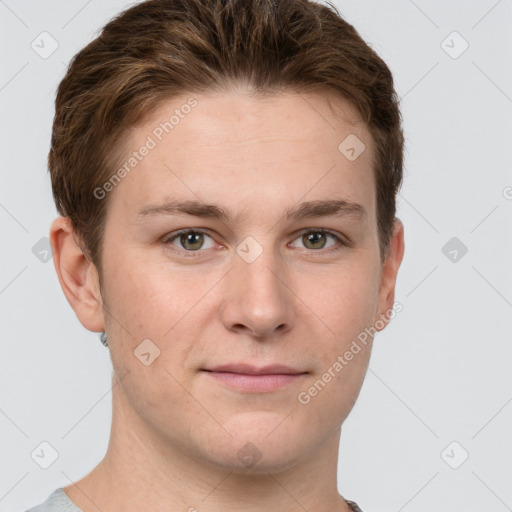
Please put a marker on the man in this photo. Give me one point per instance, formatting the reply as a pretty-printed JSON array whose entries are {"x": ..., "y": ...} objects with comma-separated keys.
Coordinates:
[{"x": 226, "y": 174}]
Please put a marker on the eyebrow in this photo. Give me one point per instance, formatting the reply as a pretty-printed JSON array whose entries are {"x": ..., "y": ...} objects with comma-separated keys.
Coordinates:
[{"x": 305, "y": 210}]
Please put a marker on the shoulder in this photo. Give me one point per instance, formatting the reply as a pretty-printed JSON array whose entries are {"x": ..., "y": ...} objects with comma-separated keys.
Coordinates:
[
  {"x": 58, "y": 501},
  {"x": 353, "y": 505}
]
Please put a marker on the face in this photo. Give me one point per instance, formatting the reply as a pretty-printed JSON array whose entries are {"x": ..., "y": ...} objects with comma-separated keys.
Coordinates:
[{"x": 280, "y": 266}]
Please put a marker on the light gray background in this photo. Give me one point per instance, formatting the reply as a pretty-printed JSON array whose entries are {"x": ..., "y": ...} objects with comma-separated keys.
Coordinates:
[{"x": 441, "y": 372}]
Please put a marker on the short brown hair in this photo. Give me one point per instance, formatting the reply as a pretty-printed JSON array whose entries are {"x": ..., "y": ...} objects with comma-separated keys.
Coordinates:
[{"x": 159, "y": 49}]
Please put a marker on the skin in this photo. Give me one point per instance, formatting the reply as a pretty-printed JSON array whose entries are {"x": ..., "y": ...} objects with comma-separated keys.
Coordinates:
[{"x": 176, "y": 431}]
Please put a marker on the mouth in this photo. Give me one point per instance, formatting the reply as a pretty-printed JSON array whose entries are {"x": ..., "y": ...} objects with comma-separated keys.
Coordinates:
[{"x": 249, "y": 378}]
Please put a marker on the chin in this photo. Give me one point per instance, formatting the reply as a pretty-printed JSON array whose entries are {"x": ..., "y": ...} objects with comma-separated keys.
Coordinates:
[{"x": 266, "y": 446}]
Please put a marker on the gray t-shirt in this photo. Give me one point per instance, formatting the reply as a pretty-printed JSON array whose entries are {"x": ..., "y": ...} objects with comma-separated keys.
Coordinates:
[{"x": 58, "y": 501}]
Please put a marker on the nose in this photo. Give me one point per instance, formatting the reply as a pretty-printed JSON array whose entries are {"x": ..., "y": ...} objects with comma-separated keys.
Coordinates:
[{"x": 257, "y": 300}]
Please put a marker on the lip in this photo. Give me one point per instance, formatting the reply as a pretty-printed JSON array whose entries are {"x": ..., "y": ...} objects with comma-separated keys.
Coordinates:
[
  {"x": 250, "y": 378},
  {"x": 248, "y": 369}
]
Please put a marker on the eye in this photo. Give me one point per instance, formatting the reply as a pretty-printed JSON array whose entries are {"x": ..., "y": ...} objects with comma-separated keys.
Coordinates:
[
  {"x": 317, "y": 239},
  {"x": 190, "y": 240}
]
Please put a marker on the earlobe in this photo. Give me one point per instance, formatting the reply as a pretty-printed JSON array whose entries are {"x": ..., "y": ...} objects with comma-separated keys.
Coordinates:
[
  {"x": 389, "y": 273},
  {"x": 77, "y": 275}
]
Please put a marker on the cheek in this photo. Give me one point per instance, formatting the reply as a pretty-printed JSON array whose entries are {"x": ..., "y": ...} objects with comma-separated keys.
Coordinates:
[
  {"x": 341, "y": 358},
  {"x": 143, "y": 297},
  {"x": 149, "y": 300},
  {"x": 144, "y": 303},
  {"x": 345, "y": 308},
  {"x": 344, "y": 300}
]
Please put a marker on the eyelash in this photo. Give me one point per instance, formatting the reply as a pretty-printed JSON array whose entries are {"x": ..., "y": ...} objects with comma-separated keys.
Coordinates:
[{"x": 340, "y": 243}]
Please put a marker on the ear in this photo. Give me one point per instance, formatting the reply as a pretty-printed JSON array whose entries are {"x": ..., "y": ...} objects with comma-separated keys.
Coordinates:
[
  {"x": 78, "y": 276},
  {"x": 389, "y": 273}
]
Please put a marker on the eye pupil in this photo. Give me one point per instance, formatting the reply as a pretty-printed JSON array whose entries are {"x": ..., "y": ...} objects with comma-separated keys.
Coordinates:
[
  {"x": 314, "y": 238},
  {"x": 191, "y": 238}
]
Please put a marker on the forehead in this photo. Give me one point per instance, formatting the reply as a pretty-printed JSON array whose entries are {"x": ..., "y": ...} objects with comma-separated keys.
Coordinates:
[{"x": 239, "y": 147}]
